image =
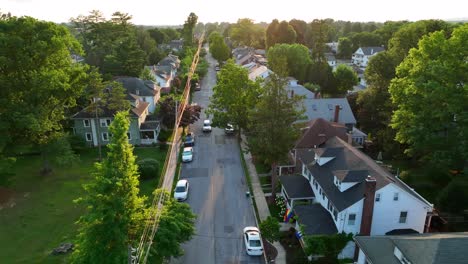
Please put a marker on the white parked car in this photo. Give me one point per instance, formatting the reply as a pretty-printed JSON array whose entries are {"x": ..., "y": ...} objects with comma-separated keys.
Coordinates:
[
  {"x": 181, "y": 190},
  {"x": 253, "y": 241},
  {"x": 229, "y": 129},
  {"x": 187, "y": 154},
  {"x": 206, "y": 126}
]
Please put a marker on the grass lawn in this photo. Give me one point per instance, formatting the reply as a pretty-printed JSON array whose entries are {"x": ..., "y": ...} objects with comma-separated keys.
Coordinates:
[{"x": 44, "y": 215}]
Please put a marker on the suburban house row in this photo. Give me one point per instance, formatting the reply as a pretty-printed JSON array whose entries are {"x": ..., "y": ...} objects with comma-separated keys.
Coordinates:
[{"x": 143, "y": 96}]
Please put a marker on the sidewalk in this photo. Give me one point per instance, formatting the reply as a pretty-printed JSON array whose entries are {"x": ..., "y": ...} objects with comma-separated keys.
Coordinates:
[{"x": 262, "y": 206}]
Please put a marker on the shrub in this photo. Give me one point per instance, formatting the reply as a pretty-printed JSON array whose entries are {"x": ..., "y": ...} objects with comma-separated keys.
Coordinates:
[
  {"x": 76, "y": 142},
  {"x": 148, "y": 168},
  {"x": 164, "y": 135}
]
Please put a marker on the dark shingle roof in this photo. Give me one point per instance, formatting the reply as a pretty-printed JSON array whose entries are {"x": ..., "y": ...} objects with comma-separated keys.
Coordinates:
[
  {"x": 316, "y": 220},
  {"x": 431, "y": 248},
  {"x": 297, "y": 186},
  {"x": 347, "y": 158},
  {"x": 325, "y": 108},
  {"x": 152, "y": 125},
  {"x": 351, "y": 176},
  {"x": 137, "y": 86},
  {"x": 371, "y": 50},
  {"x": 318, "y": 131}
]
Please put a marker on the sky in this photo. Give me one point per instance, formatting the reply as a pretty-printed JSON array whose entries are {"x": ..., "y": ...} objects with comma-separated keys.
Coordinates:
[{"x": 175, "y": 12}]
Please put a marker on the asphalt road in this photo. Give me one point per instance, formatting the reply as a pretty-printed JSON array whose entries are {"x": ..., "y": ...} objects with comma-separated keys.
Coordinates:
[{"x": 217, "y": 192}]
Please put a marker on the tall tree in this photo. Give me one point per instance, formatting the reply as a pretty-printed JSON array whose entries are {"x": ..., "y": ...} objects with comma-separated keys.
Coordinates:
[
  {"x": 176, "y": 226},
  {"x": 115, "y": 210},
  {"x": 316, "y": 36},
  {"x": 434, "y": 74},
  {"x": 271, "y": 33},
  {"x": 300, "y": 27},
  {"x": 218, "y": 47},
  {"x": 188, "y": 29},
  {"x": 345, "y": 48},
  {"x": 233, "y": 96},
  {"x": 296, "y": 55},
  {"x": 245, "y": 32},
  {"x": 272, "y": 133},
  {"x": 39, "y": 81},
  {"x": 278, "y": 33},
  {"x": 345, "y": 79}
]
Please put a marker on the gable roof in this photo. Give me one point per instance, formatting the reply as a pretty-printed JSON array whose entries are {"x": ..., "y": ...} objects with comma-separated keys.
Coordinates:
[
  {"x": 138, "y": 86},
  {"x": 316, "y": 219},
  {"x": 318, "y": 132},
  {"x": 296, "y": 186},
  {"x": 429, "y": 248},
  {"x": 371, "y": 50},
  {"x": 348, "y": 158},
  {"x": 300, "y": 90},
  {"x": 257, "y": 71},
  {"x": 325, "y": 108}
]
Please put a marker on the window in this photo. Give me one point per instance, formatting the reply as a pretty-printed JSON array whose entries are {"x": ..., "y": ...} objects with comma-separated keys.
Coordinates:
[
  {"x": 323, "y": 195},
  {"x": 335, "y": 214},
  {"x": 351, "y": 219},
  {"x": 105, "y": 122},
  {"x": 395, "y": 197},
  {"x": 86, "y": 122},
  {"x": 129, "y": 136},
  {"x": 316, "y": 185},
  {"x": 105, "y": 136},
  {"x": 320, "y": 191},
  {"x": 89, "y": 137},
  {"x": 403, "y": 216},
  {"x": 377, "y": 197}
]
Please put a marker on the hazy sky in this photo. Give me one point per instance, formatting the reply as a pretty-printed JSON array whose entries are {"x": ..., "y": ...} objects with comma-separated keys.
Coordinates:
[{"x": 174, "y": 12}]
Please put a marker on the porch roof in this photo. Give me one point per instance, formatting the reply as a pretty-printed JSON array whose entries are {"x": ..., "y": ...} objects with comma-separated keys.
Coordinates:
[
  {"x": 153, "y": 125},
  {"x": 296, "y": 186},
  {"x": 316, "y": 220}
]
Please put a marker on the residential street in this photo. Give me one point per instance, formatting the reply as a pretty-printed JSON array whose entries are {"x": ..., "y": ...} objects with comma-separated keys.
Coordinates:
[{"x": 217, "y": 192}]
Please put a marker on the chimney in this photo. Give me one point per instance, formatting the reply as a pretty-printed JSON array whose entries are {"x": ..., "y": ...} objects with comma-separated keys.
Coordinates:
[
  {"x": 368, "y": 206},
  {"x": 337, "y": 114}
]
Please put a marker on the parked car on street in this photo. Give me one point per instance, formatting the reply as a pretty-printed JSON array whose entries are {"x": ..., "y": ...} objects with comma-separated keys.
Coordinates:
[
  {"x": 253, "y": 241},
  {"x": 181, "y": 190},
  {"x": 187, "y": 154},
  {"x": 189, "y": 140},
  {"x": 229, "y": 129},
  {"x": 206, "y": 126},
  {"x": 197, "y": 87},
  {"x": 217, "y": 67}
]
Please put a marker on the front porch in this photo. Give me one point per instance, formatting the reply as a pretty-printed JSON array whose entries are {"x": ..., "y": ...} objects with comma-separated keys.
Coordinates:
[
  {"x": 149, "y": 132},
  {"x": 296, "y": 189}
]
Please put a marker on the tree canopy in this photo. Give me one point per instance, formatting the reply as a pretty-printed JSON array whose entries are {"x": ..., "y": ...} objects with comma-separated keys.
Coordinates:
[
  {"x": 278, "y": 33},
  {"x": 434, "y": 74},
  {"x": 39, "y": 80},
  {"x": 233, "y": 96},
  {"x": 296, "y": 56},
  {"x": 345, "y": 79},
  {"x": 245, "y": 32},
  {"x": 218, "y": 47},
  {"x": 115, "y": 211}
]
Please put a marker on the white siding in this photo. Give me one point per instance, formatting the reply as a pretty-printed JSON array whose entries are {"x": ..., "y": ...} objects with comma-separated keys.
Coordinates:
[
  {"x": 387, "y": 211},
  {"x": 343, "y": 217},
  {"x": 361, "y": 257}
]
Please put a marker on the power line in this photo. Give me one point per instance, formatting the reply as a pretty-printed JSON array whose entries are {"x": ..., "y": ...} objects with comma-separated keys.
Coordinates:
[{"x": 151, "y": 226}]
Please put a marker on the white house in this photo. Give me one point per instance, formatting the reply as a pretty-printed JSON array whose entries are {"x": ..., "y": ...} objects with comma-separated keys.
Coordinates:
[
  {"x": 434, "y": 248},
  {"x": 352, "y": 194},
  {"x": 259, "y": 71},
  {"x": 362, "y": 55},
  {"x": 147, "y": 91},
  {"x": 331, "y": 60}
]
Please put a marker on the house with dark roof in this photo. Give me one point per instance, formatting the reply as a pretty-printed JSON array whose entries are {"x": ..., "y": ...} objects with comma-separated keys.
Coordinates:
[
  {"x": 146, "y": 90},
  {"x": 434, "y": 248},
  {"x": 362, "y": 55},
  {"x": 351, "y": 193},
  {"x": 92, "y": 125},
  {"x": 173, "y": 45}
]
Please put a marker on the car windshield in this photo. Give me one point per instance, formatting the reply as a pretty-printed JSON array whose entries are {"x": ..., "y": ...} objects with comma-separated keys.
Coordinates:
[
  {"x": 255, "y": 243},
  {"x": 187, "y": 153},
  {"x": 180, "y": 189}
]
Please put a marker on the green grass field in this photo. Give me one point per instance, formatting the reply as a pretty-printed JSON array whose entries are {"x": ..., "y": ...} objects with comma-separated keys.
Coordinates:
[{"x": 43, "y": 214}]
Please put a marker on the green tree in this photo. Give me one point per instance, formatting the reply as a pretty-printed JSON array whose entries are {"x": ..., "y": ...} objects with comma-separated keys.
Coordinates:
[
  {"x": 233, "y": 96},
  {"x": 39, "y": 82},
  {"x": 296, "y": 56},
  {"x": 345, "y": 48},
  {"x": 270, "y": 229},
  {"x": 434, "y": 74},
  {"x": 278, "y": 33},
  {"x": 158, "y": 35},
  {"x": 271, "y": 33},
  {"x": 188, "y": 29},
  {"x": 176, "y": 226},
  {"x": 365, "y": 39},
  {"x": 272, "y": 133},
  {"x": 245, "y": 32},
  {"x": 218, "y": 47},
  {"x": 454, "y": 197},
  {"x": 147, "y": 75},
  {"x": 321, "y": 74},
  {"x": 327, "y": 245},
  {"x": 115, "y": 211},
  {"x": 300, "y": 27},
  {"x": 345, "y": 79},
  {"x": 315, "y": 38}
]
